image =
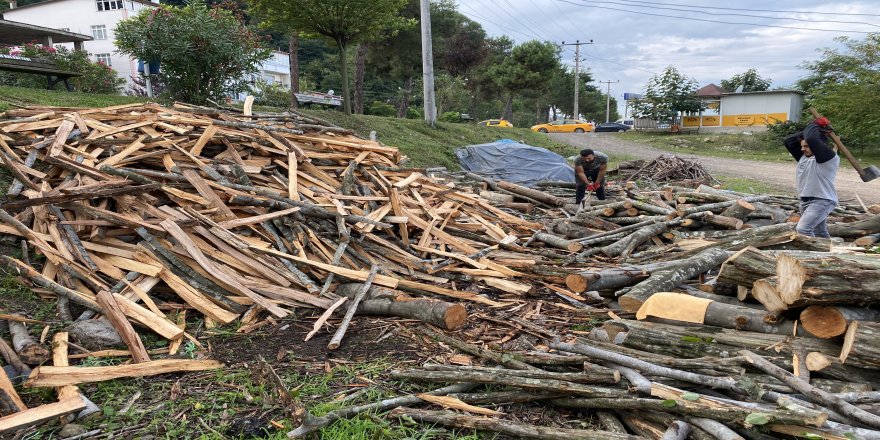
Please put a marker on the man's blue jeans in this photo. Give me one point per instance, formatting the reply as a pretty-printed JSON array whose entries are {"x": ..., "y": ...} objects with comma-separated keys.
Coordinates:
[{"x": 814, "y": 211}]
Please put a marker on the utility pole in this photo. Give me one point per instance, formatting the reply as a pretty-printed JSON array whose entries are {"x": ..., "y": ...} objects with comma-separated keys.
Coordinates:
[
  {"x": 428, "y": 65},
  {"x": 577, "y": 80},
  {"x": 608, "y": 99}
]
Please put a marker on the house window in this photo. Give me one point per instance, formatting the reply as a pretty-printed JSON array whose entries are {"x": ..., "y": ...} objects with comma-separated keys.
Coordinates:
[
  {"x": 103, "y": 58},
  {"x": 99, "y": 32},
  {"x": 108, "y": 5}
]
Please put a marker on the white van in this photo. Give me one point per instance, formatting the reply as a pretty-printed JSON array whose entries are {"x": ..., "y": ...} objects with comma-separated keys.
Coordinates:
[{"x": 628, "y": 122}]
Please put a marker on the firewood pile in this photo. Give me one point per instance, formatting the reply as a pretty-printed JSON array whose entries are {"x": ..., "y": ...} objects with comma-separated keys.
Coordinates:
[
  {"x": 665, "y": 168},
  {"x": 136, "y": 218}
]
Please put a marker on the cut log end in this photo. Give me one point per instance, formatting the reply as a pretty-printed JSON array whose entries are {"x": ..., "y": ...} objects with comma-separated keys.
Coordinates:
[
  {"x": 817, "y": 361},
  {"x": 823, "y": 322},
  {"x": 577, "y": 283},
  {"x": 629, "y": 304},
  {"x": 455, "y": 317}
]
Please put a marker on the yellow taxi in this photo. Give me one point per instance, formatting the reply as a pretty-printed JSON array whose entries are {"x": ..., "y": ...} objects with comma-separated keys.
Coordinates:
[
  {"x": 564, "y": 126},
  {"x": 496, "y": 123}
]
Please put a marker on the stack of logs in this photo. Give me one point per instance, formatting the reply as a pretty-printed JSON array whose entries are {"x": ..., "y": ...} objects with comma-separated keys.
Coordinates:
[{"x": 146, "y": 215}]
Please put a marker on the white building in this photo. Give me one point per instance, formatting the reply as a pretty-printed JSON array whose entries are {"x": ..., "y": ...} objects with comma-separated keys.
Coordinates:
[
  {"x": 97, "y": 18},
  {"x": 276, "y": 69}
]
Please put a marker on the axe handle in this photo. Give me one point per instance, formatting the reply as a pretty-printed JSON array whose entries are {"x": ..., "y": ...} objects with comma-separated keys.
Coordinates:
[{"x": 855, "y": 163}]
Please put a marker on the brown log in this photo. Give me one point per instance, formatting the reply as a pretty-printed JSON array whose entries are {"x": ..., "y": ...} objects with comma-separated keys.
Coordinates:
[
  {"x": 29, "y": 350},
  {"x": 718, "y": 220},
  {"x": 336, "y": 340},
  {"x": 822, "y": 280},
  {"x": 695, "y": 342},
  {"x": 861, "y": 345},
  {"x": 496, "y": 198},
  {"x": 666, "y": 279},
  {"x": 739, "y": 210},
  {"x": 559, "y": 242},
  {"x": 747, "y": 266},
  {"x": 383, "y": 301},
  {"x": 868, "y": 226},
  {"x": 542, "y": 384},
  {"x": 506, "y": 427},
  {"x": 522, "y": 207},
  {"x": 532, "y": 193},
  {"x": 611, "y": 278},
  {"x": 832, "y": 321},
  {"x": 867, "y": 240}
]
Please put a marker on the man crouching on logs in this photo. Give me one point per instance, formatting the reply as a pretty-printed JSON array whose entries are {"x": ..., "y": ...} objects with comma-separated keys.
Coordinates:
[
  {"x": 816, "y": 170},
  {"x": 589, "y": 170}
]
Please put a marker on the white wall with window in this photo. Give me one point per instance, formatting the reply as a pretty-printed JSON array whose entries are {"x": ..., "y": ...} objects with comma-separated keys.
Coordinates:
[
  {"x": 104, "y": 58},
  {"x": 97, "y": 18}
]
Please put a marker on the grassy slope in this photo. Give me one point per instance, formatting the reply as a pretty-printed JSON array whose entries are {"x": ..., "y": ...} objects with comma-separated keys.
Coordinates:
[
  {"x": 428, "y": 146},
  {"x": 12, "y": 96}
]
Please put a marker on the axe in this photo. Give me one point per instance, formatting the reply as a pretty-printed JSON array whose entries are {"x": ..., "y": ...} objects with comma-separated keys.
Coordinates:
[{"x": 868, "y": 173}]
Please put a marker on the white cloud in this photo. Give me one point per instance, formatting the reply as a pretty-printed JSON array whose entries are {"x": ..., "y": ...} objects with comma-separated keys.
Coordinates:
[{"x": 629, "y": 47}]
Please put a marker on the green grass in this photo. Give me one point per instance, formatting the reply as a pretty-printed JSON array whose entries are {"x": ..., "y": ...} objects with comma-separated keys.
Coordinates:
[
  {"x": 757, "y": 146},
  {"x": 752, "y": 186},
  {"x": 428, "y": 146},
  {"x": 12, "y": 96}
]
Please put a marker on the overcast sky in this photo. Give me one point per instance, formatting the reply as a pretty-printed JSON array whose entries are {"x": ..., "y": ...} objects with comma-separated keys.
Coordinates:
[{"x": 632, "y": 40}]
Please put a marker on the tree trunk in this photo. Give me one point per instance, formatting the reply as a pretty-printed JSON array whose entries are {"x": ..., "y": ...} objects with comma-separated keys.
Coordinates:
[
  {"x": 559, "y": 242},
  {"x": 861, "y": 345},
  {"x": 611, "y": 278},
  {"x": 540, "y": 196},
  {"x": 822, "y": 280},
  {"x": 832, "y": 321},
  {"x": 507, "y": 427},
  {"x": 747, "y": 266},
  {"x": 359, "y": 71},
  {"x": 740, "y": 210},
  {"x": 666, "y": 279},
  {"x": 508, "y": 107},
  {"x": 403, "y": 105},
  {"x": 293, "y": 57},
  {"x": 29, "y": 350},
  {"x": 699, "y": 341},
  {"x": 383, "y": 301},
  {"x": 870, "y": 225},
  {"x": 343, "y": 71}
]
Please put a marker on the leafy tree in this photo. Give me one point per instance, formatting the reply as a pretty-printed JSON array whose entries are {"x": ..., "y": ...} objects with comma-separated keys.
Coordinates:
[
  {"x": 844, "y": 85},
  {"x": 667, "y": 95},
  {"x": 528, "y": 69},
  {"x": 344, "y": 22},
  {"x": 750, "y": 80},
  {"x": 204, "y": 53}
]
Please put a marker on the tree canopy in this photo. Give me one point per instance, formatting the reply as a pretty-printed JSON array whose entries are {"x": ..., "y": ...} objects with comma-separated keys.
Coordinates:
[
  {"x": 528, "y": 69},
  {"x": 667, "y": 95},
  {"x": 204, "y": 53},
  {"x": 341, "y": 21},
  {"x": 844, "y": 84},
  {"x": 750, "y": 80}
]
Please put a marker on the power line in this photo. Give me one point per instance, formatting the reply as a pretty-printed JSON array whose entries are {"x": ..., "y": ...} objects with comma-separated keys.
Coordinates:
[
  {"x": 496, "y": 24},
  {"x": 761, "y": 10},
  {"x": 639, "y": 4},
  {"x": 717, "y": 21},
  {"x": 561, "y": 12},
  {"x": 520, "y": 22}
]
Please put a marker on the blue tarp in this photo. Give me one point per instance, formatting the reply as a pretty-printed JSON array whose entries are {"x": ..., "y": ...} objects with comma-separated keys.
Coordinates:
[{"x": 515, "y": 162}]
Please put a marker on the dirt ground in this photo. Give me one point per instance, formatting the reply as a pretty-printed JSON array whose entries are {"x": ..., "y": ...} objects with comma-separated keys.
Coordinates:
[{"x": 776, "y": 174}]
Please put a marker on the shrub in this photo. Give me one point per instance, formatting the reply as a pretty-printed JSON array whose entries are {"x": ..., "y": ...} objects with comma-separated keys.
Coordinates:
[
  {"x": 205, "y": 54},
  {"x": 414, "y": 113},
  {"x": 270, "y": 95},
  {"x": 97, "y": 77},
  {"x": 450, "y": 117},
  {"x": 379, "y": 108}
]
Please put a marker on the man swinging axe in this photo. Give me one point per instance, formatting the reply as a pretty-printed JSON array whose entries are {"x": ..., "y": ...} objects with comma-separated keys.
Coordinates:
[
  {"x": 589, "y": 170},
  {"x": 816, "y": 171}
]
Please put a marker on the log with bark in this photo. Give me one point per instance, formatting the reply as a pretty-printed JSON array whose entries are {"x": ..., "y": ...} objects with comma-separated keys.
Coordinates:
[
  {"x": 28, "y": 349},
  {"x": 532, "y": 194},
  {"x": 384, "y": 301}
]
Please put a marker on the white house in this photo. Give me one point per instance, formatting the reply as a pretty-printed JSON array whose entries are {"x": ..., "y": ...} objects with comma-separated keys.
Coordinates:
[
  {"x": 97, "y": 18},
  {"x": 276, "y": 69}
]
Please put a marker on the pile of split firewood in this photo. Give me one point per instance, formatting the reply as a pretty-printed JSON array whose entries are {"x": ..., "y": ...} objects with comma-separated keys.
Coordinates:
[{"x": 134, "y": 218}]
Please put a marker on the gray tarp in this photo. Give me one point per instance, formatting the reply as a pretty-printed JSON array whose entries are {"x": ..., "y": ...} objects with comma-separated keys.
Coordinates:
[{"x": 515, "y": 162}]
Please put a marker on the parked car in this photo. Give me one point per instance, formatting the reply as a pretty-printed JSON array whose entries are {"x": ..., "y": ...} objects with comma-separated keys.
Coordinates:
[
  {"x": 496, "y": 123},
  {"x": 564, "y": 126},
  {"x": 612, "y": 126}
]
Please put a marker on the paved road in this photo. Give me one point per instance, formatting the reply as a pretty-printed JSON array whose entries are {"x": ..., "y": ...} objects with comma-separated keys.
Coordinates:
[{"x": 780, "y": 175}]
